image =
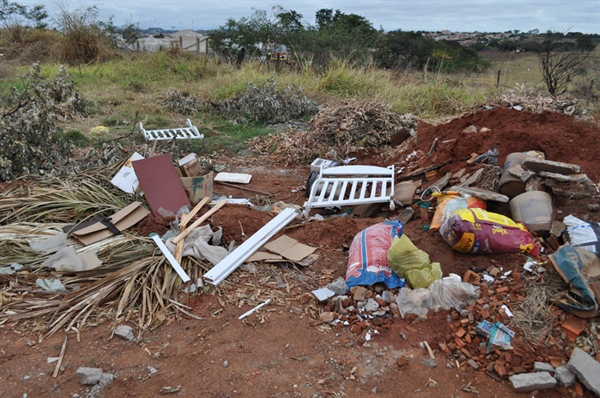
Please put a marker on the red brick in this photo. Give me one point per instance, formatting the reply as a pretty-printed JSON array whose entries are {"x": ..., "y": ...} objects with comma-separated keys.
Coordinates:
[
  {"x": 516, "y": 277},
  {"x": 578, "y": 389},
  {"x": 500, "y": 369},
  {"x": 461, "y": 332}
]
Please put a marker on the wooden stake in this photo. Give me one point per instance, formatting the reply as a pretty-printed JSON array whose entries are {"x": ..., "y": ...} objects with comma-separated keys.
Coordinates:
[{"x": 60, "y": 358}]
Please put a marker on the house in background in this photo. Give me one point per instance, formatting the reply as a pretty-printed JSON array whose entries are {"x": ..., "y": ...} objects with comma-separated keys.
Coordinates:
[{"x": 186, "y": 40}]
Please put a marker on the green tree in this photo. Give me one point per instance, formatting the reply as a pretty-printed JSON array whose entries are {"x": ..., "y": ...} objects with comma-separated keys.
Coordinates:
[{"x": 14, "y": 14}]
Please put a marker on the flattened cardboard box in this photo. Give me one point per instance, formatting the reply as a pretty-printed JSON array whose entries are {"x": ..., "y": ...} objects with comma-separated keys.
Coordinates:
[
  {"x": 198, "y": 187},
  {"x": 96, "y": 231}
]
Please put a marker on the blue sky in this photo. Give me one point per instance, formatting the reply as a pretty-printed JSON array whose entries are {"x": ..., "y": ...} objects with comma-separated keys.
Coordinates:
[{"x": 455, "y": 15}]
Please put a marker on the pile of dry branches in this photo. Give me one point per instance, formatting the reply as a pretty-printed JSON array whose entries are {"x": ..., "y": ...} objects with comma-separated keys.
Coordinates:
[{"x": 337, "y": 131}]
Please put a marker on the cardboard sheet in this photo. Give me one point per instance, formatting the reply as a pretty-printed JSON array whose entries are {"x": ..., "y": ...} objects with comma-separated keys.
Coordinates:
[
  {"x": 290, "y": 248},
  {"x": 126, "y": 179},
  {"x": 161, "y": 184},
  {"x": 198, "y": 187},
  {"x": 94, "y": 231},
  {"x": 405, "y": 191}
]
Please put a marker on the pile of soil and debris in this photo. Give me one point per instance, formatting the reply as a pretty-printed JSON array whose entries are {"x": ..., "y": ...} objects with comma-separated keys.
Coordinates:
[
  {"x": 355, "y": 343},
  {"x": 337, "y": 131}
]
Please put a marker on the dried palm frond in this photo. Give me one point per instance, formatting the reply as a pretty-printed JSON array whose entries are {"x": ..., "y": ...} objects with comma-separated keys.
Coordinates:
[{"x": 61, "y": 199}]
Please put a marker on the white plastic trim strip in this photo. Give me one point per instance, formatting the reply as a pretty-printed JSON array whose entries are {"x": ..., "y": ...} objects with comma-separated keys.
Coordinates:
[{"x": 230, "y": 263}]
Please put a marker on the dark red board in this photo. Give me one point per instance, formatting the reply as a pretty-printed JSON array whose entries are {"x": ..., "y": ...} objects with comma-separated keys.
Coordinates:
[{"x": 161, "y": 184}]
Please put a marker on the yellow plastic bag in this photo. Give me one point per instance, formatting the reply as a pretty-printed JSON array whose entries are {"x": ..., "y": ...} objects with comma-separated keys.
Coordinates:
[{"x": 406, "y": 260}]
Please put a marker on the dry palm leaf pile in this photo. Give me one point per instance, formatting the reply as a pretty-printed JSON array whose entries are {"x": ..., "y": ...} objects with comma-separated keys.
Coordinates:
[
  {"x": 134, "y": 280},
  {"x": 337, "y": 131}
]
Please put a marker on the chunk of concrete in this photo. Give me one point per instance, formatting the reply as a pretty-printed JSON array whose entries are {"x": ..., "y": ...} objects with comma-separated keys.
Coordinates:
[
  {"x": 484, "y": 194},
  {"x": 88, "y": 376},
  {"x": 555, "y": 176},
  {"x": 338, "y": 286},
  {"x": 371, "y": 305},
  {"x": 538, "y": 165},
  {"x": 532, "y": 381},
  {"x": 125, "y": 332},
  {"x": 472, "y": 179},
  {"x": 386, "y": 296},
  {"x": 587, "y": 370},
  {"x": 564, "y": 376},
  {"x": 429, "y": 363},
  {"x": 105, "y": 380},
  {"x": 543, "y": 367}
]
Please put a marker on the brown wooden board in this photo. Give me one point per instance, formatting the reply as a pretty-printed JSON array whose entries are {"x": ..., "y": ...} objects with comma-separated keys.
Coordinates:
[{"x": 161, "y": 184}]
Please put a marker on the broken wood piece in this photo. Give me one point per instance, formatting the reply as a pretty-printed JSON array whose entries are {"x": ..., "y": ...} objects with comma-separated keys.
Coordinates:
[
  {"x": 174, "y": 263},
  {"x": 429, "y": 350},
  {"x": 442, "y": 182},
  {"x": 422, "y": 170},
  {"x": 60, "y": 359},
  {"x": 199, "y": 221},
  {"x": 194, "y": 211},
  {"x": 472, "y": 158},
  {"x": 244, "y": 188},
  {"x": 433, "y": 147}
]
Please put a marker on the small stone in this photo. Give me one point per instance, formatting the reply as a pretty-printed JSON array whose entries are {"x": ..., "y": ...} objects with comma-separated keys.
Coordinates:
[
  {"x": 485, "y": 130},
  {"x": 470, "y": 130},
  {"x": 386, "y": 296},
  {"x": 494, "y": 271},
  {"x": 593, "y": 207},
  {"x": 401, "y": 361},
  {"x": 371, "y": 305},
  {"x": 152, "y": 371},
  {"x": 88, "y": 376},
  {"x": 429, "y": 363},
  {"x": 304, "y": 298},
  {"x": 125, "y": 332},
  {"x": 473, "y": 364},
  {"x": 225, "y": 364},
  {"x": 564, "y": 376},
  {"x": 327, "y": 316},
  {"x": 543, "y": 367},
  {"x": 360, "y": 293},
  {"x": 338, "y": 286}
]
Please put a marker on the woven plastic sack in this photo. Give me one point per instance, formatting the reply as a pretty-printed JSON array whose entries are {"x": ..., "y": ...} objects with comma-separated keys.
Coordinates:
[
  {"x": 367, "y": 259},
  {"x": 477, "y": 231},
  {"x": 448, "y": 203}
]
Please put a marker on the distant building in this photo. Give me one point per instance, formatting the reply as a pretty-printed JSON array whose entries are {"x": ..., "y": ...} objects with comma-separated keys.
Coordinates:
[{"x": 186, "y": 40}]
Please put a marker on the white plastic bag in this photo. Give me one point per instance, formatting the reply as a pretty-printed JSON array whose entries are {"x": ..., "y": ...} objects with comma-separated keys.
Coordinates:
[{"x": 443, "y": 294}]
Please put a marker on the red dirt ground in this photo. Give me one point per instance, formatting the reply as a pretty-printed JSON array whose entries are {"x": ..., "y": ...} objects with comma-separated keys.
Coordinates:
[{"x": 279, "y": 351}]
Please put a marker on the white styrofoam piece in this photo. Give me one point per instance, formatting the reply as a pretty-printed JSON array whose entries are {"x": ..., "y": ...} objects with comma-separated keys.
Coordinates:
[
  {"x": 238, "y": 178},
  {"x": 186, "y": 159},
  {"x": 126, "y": 179},
  {"x": 323, "y": 293},
  {"x": 230, "y": 263}
]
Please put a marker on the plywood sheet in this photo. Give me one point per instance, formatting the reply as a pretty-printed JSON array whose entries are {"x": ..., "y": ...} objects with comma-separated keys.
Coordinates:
[{"x": 161, "y": 184}]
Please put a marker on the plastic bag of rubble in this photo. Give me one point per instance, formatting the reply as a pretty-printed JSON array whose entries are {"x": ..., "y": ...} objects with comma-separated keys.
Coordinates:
[
  {"x": 444, "y": 294},
  {"x": 368, "y": 256},
  {"x": 583, "y": 234},
  {"x": 406, "y": 260}
]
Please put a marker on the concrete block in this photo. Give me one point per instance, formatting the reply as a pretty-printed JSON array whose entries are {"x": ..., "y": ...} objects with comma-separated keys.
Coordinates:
[
  {"x": 338, "y": 286},
  {"x": 538, "y": 165},
  {"x": 105, "y": 380},
  {"x": 555, "y": 176},
  {"x": 557, "y": 228},
  {"x": 564, "y": 376},
  {"x": 543, "y": 367},
  {"x": 587, "y": 370},
  {"x": 360, "y": 293},
  {"x": 88, "y": 376},
  {"x": 532, "y": 381},
  {"x": 125, "y": 332},
  {"x": 386, "y": 296},
  {"x": 484, "y": 194}
]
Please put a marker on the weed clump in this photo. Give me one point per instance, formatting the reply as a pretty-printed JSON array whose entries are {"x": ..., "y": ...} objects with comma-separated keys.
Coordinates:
[
  {"x": 268, "y": 104},
  {"x": 180, "y": 103},
  {"x": 28, "y": 124}
]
